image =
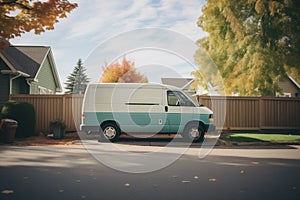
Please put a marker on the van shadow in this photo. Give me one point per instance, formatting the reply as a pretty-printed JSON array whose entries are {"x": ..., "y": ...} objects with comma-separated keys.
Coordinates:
[
  {"x": 161, "y": 140},
  {"x": 164, "y": 140}
]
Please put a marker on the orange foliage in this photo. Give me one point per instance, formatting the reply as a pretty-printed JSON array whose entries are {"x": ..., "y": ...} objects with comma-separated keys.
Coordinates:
[
  {"x": 20, "y": 16},
  {"x": 124, "y": 72}
]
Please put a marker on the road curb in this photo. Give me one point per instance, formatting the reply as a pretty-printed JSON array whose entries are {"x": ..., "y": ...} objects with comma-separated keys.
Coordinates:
[{"x": 222, "y": 142}]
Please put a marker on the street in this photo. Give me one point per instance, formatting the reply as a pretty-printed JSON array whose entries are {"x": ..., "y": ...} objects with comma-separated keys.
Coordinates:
[{"x": 70, "y": 172}]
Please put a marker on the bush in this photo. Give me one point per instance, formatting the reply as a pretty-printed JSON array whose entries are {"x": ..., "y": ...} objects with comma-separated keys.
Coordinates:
[{"x": 24, "y": 114}]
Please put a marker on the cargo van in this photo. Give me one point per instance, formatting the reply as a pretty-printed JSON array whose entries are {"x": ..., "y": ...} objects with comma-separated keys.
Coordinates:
[{"x": 115, "y": 108}]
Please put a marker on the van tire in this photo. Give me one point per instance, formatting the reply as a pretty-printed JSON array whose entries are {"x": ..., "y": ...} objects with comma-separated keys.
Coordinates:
[
  {"x": 194, "y": 132},
  {"x": 109, "y": 132}
]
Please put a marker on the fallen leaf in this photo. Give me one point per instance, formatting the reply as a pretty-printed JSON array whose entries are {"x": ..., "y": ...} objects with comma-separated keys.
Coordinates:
[
  {"x": 242, "y": 172},
  {"x": 185, "y": 181},
  {"x": 127, "y": 184},
  {"x": 196, "y": 177},
  {"x": 7, "y": 192},
  {"x": 212, "y": 179}
]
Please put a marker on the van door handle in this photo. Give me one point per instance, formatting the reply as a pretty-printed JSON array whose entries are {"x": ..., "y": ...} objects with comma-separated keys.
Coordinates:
[{"x": 166, "y": 108}]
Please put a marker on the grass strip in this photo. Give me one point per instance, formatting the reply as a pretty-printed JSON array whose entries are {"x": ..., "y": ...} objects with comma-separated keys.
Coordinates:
[{"x": 261, "y": 137}]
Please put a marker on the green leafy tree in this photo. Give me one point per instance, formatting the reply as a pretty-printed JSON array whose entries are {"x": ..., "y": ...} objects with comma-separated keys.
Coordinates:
[
  {"x": 77, "y": 81},
  {"x": 20, "y": 16},
  {"x": 253, "y": 43}
]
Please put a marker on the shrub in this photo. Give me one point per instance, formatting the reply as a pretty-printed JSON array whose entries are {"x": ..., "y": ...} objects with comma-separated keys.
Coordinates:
[{"x": 24, "y": 114}]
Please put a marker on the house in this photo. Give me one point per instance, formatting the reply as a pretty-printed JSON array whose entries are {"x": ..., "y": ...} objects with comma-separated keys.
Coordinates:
[
  {"x": 27, "y": 70},
  {"x": 182, "y": 83},
  {"x": 185, "y": 83},
  {"x": 290, "y": 88}
]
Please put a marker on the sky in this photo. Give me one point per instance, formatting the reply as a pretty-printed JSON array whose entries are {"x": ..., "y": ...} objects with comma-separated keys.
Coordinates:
[{"x": 158, "y": 35}]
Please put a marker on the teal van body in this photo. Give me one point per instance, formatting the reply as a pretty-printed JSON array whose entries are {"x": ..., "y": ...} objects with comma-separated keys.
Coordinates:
[{"x": 142, "y": 108}]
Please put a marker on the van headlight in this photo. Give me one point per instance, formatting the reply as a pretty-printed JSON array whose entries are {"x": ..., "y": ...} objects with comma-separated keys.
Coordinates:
[{"x": 211, "y": 118}]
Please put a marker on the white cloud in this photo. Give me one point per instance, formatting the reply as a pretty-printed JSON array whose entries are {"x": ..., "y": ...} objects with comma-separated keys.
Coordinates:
[{"x": 94, "y": 21}]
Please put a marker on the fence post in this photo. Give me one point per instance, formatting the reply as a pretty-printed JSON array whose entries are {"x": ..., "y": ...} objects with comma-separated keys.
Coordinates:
[
  {"x": 260, "y": 114},
  {"x": 64, "y": 107}
]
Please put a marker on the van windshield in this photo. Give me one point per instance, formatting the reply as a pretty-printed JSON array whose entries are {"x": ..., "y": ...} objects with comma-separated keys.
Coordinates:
[{"x": 177, "y": 98}]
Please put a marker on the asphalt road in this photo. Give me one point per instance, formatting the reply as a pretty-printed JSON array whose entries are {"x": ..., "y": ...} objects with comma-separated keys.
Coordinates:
[{"x": 70, "y": 172}]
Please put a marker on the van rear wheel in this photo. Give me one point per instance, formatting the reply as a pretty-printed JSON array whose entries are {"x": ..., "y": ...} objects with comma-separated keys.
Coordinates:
[
  {"x": 109, "y": 132},
  {"x": 194, "y": 132}
]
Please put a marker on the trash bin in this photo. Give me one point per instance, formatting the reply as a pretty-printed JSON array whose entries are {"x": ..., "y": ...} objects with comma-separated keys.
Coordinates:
[
  {"x": 9, "y": 127},
  {"x": 58, "y": 132}
]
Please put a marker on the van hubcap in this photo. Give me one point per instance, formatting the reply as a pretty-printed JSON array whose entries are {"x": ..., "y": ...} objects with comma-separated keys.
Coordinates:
[
  {"x": 110, "y": 132},
  {"x": 194, "y": 133}
]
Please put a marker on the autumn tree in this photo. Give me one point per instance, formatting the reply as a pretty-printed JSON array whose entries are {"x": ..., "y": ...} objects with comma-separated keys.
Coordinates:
[
  {"x": 77, "y": 81},
  {"x": 253, "y": 43},
  {"x": 20, "y": 16},
  {"x": 124, "y": 72}
]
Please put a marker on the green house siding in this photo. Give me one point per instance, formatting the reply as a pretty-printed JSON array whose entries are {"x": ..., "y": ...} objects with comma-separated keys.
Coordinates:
[
  {"x": 45, "y": 77},
  {"x": 20, "y": 86},
  {"x": 4, "y": 84},
  {"x": 4, "y": 88},
  {"x": 34, "y": 88}
]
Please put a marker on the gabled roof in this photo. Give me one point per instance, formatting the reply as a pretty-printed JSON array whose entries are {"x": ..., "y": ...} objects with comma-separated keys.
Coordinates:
[
  {"x": 183, "y": 83},
  {"x": 294, "y": 81},
  {"x": 27, "y": 60}
]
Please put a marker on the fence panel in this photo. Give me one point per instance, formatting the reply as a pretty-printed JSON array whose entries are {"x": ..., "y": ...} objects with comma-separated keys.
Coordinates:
[
  {"x": 49, "y": 107},
  {"x": 254, "y": 113},
  {"x": 280, "y": 113}
]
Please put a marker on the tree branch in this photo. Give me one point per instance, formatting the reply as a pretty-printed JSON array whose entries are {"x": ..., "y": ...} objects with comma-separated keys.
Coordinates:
[{"x": 14, "y": 2}]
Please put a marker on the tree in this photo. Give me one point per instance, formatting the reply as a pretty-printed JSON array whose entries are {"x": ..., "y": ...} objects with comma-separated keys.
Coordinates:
[
  {"x": 77, "y": 81},
  {"x": 253, "y": 43},
  {"x": 20, "y": 16},
  {"x": 123, "y": 72}
]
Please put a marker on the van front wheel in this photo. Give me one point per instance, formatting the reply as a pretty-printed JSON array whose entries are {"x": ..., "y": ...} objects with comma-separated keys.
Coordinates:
[
  {"x": 194, "y": 132},
  {"x": 109, "y": 132}
]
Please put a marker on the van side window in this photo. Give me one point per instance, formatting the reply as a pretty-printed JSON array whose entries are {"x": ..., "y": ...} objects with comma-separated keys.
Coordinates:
[{"x": 176, "y": 98}]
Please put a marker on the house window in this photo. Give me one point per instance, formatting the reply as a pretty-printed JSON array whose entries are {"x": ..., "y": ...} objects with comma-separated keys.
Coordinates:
[
  {"x": 285, "y": 94},
  {"x": 43, "y": 90}
]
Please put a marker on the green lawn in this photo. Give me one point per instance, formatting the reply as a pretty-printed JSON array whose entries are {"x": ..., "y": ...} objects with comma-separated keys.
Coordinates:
[{"x": 263, "y": 137}]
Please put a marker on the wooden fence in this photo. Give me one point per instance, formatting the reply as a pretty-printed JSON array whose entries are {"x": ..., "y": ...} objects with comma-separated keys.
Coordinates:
[
  {"x": 50, "y": 107},
  {"x": 231, "y": 113},
  {"x": 254, "y": 113}
]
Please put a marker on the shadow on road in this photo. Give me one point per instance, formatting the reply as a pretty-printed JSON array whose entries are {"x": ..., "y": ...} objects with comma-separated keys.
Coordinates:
[{"x": 209, "y": 142}]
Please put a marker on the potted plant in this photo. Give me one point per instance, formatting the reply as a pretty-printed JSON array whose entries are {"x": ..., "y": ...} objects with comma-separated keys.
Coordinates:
[{"x": 58, "y": 126}]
